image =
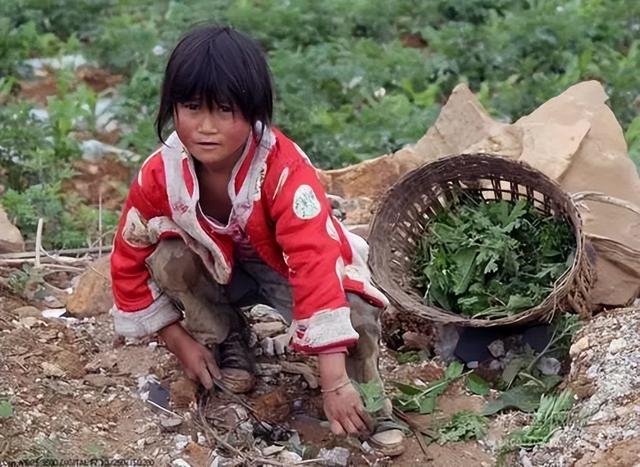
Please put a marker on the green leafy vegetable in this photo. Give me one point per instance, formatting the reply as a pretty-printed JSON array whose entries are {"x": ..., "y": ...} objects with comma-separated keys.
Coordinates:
[
  {"x": 549, "y": 418},
  {"x": 491, "y": 259},
  {"x": 373, "y": 396},
  {"x": 412, "y": 356},
  {"x": 477, "y": 385},
  {"x": 525, "y": 398},
  {"x": 463, "y": 426},
  {"x": 423, "y": 399}
]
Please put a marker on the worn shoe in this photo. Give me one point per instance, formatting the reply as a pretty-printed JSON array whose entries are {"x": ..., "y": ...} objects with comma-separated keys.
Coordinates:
[
  {"x": 236, "y": 364},
  {"x": 387, "y": 438}
]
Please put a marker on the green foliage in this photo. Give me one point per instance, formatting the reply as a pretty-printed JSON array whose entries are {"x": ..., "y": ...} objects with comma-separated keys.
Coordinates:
[
  {"x": 36, "y": 155},
  {"x": 6, "y": 409},
  {"x": 525, "y": 398},
  {"x": 551, "y": 415},
  {"x": 412, "y": 356},
  {"x": 348, "y": 86},
  {"x": 26, "y": 282},
  {"x": 68, "y": 223},
  {"x": 463, "y": 426},
  {"x": 477, "y": 385},
  {"x": 423, "y": 399},
  {"x": 372, "y": 394},
  {"x": 491, "y": 259}
]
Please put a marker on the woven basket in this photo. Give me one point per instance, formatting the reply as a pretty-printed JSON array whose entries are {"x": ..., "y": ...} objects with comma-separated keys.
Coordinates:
[{"x": 409, "y": 205}]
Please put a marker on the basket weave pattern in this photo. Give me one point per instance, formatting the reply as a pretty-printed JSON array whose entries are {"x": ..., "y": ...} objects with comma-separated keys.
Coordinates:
[{"x": 409, "y": 205}]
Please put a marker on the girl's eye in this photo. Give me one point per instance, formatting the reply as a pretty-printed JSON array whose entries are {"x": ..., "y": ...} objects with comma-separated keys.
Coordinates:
[
  {"x": 191, "y": 105},
  {"x": 226, "y": 108}
]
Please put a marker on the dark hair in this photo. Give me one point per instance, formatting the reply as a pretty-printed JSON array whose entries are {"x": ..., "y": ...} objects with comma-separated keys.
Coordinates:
[{"x": 219, "y": 66}]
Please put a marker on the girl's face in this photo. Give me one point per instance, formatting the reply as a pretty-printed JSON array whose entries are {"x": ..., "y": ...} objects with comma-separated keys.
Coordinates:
[{"x": 215, "y": 137}]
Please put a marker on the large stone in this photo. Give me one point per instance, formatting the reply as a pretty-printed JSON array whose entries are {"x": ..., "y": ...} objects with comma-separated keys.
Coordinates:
[
  {"x": 11, "y": 240},
  {"x": 93, "y": 294},
  {"x": 364, "y": 183}
]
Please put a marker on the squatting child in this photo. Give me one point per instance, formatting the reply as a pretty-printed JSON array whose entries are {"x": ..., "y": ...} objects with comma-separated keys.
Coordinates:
[{"x": 229, "y": 212}]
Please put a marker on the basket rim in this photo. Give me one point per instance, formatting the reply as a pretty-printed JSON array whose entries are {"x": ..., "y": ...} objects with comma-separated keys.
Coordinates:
[{"x": 544, "y": 310}]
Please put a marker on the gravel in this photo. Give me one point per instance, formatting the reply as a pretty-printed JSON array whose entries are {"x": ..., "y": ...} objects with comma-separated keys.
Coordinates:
[{"x": 606, "y": 361}]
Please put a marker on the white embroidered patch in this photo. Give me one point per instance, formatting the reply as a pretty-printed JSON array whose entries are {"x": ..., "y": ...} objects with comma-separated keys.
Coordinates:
[{"x": 305, "y": 203}]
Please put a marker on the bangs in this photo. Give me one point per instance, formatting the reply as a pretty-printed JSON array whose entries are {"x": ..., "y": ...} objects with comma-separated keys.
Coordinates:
[
  {"x": 217, "y": 66},
  {"x": 207, "y": 79}
]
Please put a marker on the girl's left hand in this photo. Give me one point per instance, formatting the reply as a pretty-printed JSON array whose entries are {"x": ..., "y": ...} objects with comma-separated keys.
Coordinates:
[{"x": 345, "y": 411}]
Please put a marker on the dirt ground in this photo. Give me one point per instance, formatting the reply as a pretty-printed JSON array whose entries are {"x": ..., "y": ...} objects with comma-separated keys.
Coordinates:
[{"x": 75, "y": 392}]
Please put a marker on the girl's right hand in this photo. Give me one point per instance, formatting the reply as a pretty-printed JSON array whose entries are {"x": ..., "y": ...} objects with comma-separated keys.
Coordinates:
[{"x": 197, "y": 361}]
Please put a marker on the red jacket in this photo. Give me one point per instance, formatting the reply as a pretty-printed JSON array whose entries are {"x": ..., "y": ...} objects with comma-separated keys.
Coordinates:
[{"x": 282, "y": 208}]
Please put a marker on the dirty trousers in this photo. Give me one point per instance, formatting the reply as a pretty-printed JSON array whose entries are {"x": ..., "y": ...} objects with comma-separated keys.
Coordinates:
[{"x": 211, "y": 310}]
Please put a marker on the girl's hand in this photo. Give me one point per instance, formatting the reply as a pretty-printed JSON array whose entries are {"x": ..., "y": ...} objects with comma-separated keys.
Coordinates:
[
  {"x": 343, "y": 406},
  {"x": 345, "y": 412},
  {"x": 197, "y": 361}
]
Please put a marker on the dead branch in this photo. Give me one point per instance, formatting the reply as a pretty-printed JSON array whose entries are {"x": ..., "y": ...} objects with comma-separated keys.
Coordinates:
[{"x": 58, "y": 253}]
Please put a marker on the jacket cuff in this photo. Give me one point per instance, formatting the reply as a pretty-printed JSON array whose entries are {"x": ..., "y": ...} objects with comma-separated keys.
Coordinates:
[
  {"x": 147, "y": 321},
  {"x": 325, "y": 330}
]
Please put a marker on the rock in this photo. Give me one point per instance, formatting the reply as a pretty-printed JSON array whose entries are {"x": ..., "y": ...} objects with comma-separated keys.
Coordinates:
[
  {"x": 579, "y": 346},
  {"x": 272, "y": 406},
  {"x": 197, "y": 454},
  {"x": 52, "y": 370},
  {"x": 448, "y": 337},
  {"x": 336, "y": 457},
  {"x": 275, "y": 346},
  {"x": 98, "y": 380},
  {"x": 261, "y": 313},
  {"x": 180, "y": 463},
  {"x": 181, "y": 441},
  {"x": 417, "y": 341},
  {"x": 230, "y": 416},
  {"x": 361, "y": 183},
  {"x": 495, "y": 365},
  {"x": 496, "y": 348},
  {"x": 473, "y": 365},
  {"x": 170, "y": 424},
  {"x": 92, "y": 296},
  {"x": 269, "y": 328},
  {"x": 25, "y": 311},
  {"x": 289, "y": 458},
  {"x": 271, "y": 450},
  {"x": 299, "y": 368},
  {"x": 183, "y": 393},
  {"x": 549, "y": 366},
  {"x": 268, "y": 369},
  {"x": 28, "y": 322},
  {"x": 94, "y": 150},
  {"x": 617, "y": 345},
  {"x": 11, "y": 240},
  {"x": 73, "y": 364}
]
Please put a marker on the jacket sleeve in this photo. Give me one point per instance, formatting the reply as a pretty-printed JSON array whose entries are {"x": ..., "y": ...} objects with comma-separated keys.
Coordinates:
[
  {"x": 311, "y": 245},
  {"x": 140, "y": 308}
]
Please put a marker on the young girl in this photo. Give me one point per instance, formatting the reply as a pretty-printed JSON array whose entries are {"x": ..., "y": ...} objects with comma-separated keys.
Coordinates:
[{"x": 230, "y": 212}]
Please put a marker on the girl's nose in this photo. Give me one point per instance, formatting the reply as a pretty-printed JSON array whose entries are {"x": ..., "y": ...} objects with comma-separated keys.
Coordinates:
[{"x": 208, "y": 123}]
